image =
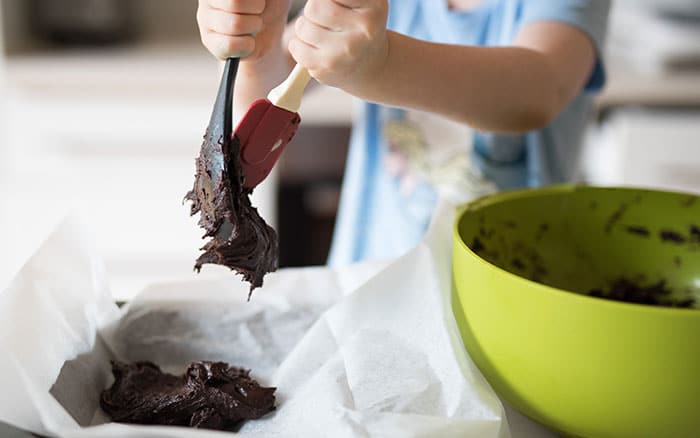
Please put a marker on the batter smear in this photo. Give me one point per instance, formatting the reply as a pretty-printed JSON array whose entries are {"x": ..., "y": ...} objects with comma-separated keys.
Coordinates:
[{"x": 210, "y": 395}]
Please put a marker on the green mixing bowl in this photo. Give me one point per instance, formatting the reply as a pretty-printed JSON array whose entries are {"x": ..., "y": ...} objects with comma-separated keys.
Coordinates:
[{"x": 523, "y": 263}]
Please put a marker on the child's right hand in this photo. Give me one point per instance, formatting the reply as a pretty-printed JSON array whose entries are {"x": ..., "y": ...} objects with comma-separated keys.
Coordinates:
[{"x": 242, "y": 28}]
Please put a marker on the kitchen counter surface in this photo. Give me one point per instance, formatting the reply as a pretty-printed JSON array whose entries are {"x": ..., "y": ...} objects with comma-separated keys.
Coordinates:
[{"x": 179, "y": 74}]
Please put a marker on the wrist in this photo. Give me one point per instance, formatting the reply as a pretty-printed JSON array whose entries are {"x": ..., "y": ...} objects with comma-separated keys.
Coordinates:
[{"x": 372, "y": 78}]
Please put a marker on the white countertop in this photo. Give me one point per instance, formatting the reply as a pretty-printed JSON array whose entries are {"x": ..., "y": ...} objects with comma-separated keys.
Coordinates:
[{"x": 166, "y": 73}]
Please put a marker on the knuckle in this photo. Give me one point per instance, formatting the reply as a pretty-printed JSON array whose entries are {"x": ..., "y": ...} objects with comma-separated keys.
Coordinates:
[{"x": 351, "y": 50}]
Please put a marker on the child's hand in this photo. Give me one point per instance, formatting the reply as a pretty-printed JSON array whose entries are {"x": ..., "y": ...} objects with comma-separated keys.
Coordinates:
[
  {"x": 243, "y": 28},
  {"x": 342, "y": 43}
]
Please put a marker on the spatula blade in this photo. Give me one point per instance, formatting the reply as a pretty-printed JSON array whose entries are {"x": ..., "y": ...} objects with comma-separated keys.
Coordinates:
[{"x": 264, "y": 132}]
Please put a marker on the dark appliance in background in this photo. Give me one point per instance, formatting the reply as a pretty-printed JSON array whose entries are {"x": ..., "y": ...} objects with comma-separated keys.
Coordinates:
[
  {"x": 311, "y": 174},
  {"x": 306, "y": 221},
  {"x": 82, "y": 22}
]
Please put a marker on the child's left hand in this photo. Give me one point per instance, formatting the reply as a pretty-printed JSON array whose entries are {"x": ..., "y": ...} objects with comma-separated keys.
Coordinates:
[{"x": 342, "y": 43}]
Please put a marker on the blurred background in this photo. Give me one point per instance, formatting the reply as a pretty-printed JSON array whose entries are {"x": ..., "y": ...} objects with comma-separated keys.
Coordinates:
[{"x": 103, "y": 104}]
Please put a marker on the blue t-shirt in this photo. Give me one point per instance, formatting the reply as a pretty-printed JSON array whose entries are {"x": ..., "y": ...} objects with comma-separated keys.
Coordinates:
[{"x": 376, "y": 219}]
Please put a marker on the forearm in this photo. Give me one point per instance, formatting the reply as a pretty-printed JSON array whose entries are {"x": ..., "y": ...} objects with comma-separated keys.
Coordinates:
[{"x": 500, "y": 89}]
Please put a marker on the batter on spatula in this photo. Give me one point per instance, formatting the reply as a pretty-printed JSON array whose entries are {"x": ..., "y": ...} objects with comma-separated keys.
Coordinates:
[{"x": 240, "y": 238}]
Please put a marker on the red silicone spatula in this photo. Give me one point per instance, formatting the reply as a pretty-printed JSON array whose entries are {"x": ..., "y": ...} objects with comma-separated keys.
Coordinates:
[{"x": 269, "y": 125}]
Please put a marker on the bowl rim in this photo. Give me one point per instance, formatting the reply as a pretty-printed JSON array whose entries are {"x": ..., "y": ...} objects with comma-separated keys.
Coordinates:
[{"x": 508, "y": 195}]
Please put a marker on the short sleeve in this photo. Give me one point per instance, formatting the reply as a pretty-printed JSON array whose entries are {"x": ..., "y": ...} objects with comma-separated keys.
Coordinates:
[{"x": 590, "y": 16}]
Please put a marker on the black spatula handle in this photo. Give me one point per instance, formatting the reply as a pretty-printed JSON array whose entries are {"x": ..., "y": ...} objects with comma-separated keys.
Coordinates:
[{"x": 221, "y": 120}]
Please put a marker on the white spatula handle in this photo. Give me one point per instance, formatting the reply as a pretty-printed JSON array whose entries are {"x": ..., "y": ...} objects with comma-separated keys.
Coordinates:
[{"x": 288, "y": 94}]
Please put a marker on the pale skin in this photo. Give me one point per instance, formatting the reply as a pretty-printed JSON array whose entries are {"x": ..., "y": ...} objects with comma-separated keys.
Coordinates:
[{"x": 345, "y": 44}]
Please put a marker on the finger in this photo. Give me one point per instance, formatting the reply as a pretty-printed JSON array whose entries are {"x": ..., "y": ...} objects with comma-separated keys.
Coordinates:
[
  {"x": 329, "y": 14},
  {"x": 238, "y": 6},
  {"x": 226, "y": 23},
  {"x": 225, "y": 46},
  {"x": 311, "y": 33},
  {"x": 304, "y": 54},
  {"x": 355, "y": 4}
]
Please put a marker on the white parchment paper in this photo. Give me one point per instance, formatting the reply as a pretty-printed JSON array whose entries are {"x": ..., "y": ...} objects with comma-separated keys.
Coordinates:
[{"x": 368, "y": 350}]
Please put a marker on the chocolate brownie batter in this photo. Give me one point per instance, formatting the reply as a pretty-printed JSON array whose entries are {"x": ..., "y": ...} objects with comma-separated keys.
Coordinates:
[
  {"x": 210, "y": 395},
  {"x": 240, "y": 238}
]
